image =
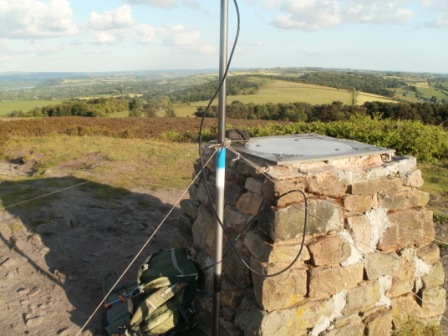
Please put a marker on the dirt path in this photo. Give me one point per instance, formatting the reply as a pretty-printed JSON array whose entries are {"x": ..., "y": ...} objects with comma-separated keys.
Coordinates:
[{"x": 54, "y": 249}]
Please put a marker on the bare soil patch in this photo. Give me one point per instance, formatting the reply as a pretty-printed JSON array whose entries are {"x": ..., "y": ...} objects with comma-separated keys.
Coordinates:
[{"x": 58, "y": 236}]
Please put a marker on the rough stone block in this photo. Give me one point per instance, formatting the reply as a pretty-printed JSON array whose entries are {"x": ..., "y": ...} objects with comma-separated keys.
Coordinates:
[
  {"x": 236, "y": 179},
  {"x": 361, "y": 230},
  {"x": 287, "y": 223},
  {"x": 403, "y": 308},
  {"x": 328, "y": 182},
  {"x": 403, "y": 200},
  {"x": 362, "y": 297},
  {"x": 249, "y": 316},
  {"x": 371, "y": 187},
  {"x": 413, "y": 179},
  {"x": 349, "y": 326},
  {"x": 433, "y": 302},
  {"x": 283, "y": 291},
  {"x": 203, "y": 230},
  {"x": 429, "y": 254},
  {"x": 402, "y": 280},
  {"x": 232, "y": 193},
  {"x": 249, "y": 203},
  {"x": 188, "y": 208},
  {"x": 245, "y": 168},
  {"x": 435, "y": 277},
  {"x": 378, "y": 322},
  {"x": 415, "y": 226},
  {"x": 329, "y": 250},
  {"x": 389, "y": 241},
  {"x": 253, "y": 185},
  {"x": 329, "y": 281},
  {"x": 286, "y": 322},
  {"x": 278, "y": 253},
  {"x": 203, "y": 195},
  {"x": 399, "y": 165},
  {"x": 193, "y": 192},
  {"x": 235, "y": 269},
  {"x": 231, "y": 296},
  {"x": 359, "y": 203},
  {"x": 284, "y": 189},
  {"x": 379, "y": 264},
  {"x": 300, "y": 318},
  {"x": 234, "y": 219}
]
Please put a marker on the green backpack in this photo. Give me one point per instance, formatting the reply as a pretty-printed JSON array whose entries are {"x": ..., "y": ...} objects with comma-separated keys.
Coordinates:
[{"x": 162, "y": 300}]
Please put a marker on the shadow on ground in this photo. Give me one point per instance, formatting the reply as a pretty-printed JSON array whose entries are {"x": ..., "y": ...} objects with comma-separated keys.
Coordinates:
[{"x": 58, "y": 236}]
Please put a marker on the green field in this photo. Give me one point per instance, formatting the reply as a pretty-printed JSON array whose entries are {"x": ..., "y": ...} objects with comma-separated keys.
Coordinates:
[
  {"x": 8, "y": 106},
  {"x": 278, "y": 91}
]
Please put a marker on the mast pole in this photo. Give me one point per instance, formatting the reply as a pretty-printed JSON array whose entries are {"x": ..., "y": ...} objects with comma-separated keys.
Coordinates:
[{"x": 220, "y": 169}]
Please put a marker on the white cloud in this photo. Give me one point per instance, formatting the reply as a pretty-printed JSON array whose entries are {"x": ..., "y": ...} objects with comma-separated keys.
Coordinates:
[
  {"x": 378, "y": 12},
  {"x": 440, "y": 22},
  {"x": 425, "y": 3},
  {"x": 186, "y": 39},
  {"x": 4, "y": 43},
  {"x": 309, "y": 15},
  {"x": 6, "y": 58},
  {"x": 314, "y": 15},
  {"x": 110, "y": 27},
  {"x": 120, "y": 17},
  {"x": 148, "y": 33},
  {"x": 33, "y": 18},
  {"x": 107, "y": 37},
  {"x": 157, "y": 3},
  {"x": 441, "y": 8},
  {"x": 166, "y": 3}
]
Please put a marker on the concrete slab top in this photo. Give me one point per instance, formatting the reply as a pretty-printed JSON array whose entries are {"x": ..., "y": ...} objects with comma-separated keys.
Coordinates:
[{"x": 289, "y": 149}]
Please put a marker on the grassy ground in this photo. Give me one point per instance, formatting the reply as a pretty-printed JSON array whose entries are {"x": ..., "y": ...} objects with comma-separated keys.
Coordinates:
[
  {"x": 8, "y": 106},
  {"x": 436, "y": 183},
  {"x": 363, "y": 97},
  {"x": 120, "y": 163}
]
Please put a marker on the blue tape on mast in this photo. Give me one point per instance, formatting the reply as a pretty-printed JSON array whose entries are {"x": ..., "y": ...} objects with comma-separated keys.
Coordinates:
[{"x": 221, "y": 159}]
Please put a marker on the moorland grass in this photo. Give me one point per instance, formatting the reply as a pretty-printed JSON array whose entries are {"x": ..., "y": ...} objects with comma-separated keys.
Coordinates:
[{"x": 122, "y": 163}]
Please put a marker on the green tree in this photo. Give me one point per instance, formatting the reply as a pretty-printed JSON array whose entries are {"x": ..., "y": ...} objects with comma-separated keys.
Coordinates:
[{"x": 169, "y": 112}]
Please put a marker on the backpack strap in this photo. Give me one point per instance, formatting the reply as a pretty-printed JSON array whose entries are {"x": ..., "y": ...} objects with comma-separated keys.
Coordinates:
[{"x": 154, "y": 301}]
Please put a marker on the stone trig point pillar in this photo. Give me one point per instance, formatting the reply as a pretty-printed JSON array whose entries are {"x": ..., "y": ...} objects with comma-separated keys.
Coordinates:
[{"x": 368, "y": 263}]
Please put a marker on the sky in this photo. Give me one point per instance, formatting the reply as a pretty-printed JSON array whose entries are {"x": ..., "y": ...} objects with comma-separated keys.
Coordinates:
[{"x": 139, "y": 35}]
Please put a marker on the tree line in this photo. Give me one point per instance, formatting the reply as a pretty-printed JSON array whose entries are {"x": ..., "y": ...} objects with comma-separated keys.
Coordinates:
[
  {"x": 236, "y": 85},
  {"x": 428, "y": 113},
  {"x": 348, "y": 81},
  {"x": 96, "y": 107}
]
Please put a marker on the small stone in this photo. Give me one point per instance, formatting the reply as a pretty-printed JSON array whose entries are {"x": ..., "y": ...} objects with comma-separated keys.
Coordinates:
[{"x": 34, "y": 321}]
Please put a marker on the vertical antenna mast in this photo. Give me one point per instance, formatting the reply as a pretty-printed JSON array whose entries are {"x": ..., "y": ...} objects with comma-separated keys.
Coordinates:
[{"x": 220, "y": 169}]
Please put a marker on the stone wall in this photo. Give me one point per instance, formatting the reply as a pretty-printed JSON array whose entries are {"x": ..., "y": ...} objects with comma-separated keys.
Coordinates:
[{"x": 368, "y": 263}]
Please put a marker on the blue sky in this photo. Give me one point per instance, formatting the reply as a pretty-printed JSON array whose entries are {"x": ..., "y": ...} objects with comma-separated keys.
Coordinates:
[{"x": 122, "y": 35}]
